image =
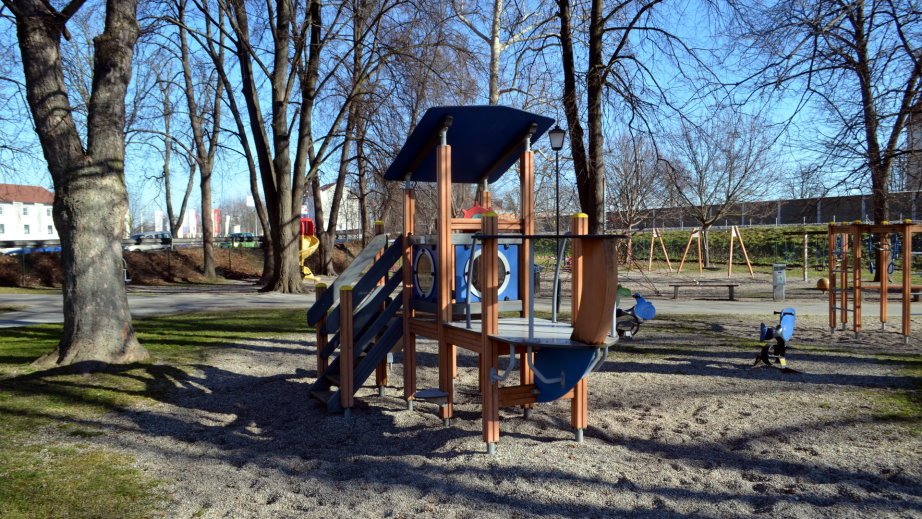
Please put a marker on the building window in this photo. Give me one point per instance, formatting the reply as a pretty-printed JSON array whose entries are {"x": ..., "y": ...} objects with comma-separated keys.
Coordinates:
[
  {"x": 1, "y": 209},
  {"x": 2, "y": 229},
  {"x": 25, "y": 211},
  {"x": 50, "y": 230},
  {"x": 48, "y": 211},
  {"x": 25, "y": 229}
]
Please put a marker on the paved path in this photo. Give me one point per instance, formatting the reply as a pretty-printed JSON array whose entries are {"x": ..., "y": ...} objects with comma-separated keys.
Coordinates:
[
  {"x": 149, "y": 301},
  {"x": 48, "y": 307}
]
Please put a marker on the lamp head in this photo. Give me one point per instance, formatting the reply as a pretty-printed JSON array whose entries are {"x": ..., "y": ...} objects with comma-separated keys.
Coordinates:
[{"x": 557, "y": 136}]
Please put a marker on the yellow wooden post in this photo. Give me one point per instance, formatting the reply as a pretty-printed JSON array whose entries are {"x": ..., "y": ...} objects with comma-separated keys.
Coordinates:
[
  {"x": 579, "y": 406},
  {"x": 489, "y": 356}
]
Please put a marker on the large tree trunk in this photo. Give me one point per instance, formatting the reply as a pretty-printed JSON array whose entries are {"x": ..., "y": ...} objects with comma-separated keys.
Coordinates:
[
  {"x": 590, "y": 183},
  {"x": 90, "y": 196},
  {"x": 570, "y": 99}
]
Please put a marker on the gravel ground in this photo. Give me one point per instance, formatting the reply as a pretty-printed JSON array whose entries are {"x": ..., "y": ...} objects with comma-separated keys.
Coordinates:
[{"x": 680, "y": 425}]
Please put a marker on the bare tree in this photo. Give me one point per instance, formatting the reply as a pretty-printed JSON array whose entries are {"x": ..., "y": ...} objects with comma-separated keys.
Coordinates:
[
  {"x": 631, "y": 183},
  {"x": 203, "y": 101},
  {"x": 858, "y": 62},
  {"x": 719, "y": 164},
  {"x": 90, "y": 197}
]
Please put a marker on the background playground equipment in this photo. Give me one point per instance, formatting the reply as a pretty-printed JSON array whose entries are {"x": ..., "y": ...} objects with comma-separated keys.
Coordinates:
[
  {"x": 654, "y": 236},
  {"x": 845, "y": 242},
  {"x": 627, "y": 322},
  {"x": 781, "y": 334},
  {"x": 820, "y": 256},
  {"x": 696, "y": 235},
  {"x": 442, "y": 275},
  {"x": 307, "y": 247}
]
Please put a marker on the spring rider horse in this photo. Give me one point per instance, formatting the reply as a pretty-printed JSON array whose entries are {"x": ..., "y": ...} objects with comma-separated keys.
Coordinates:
[{"x": 782, "y": 334}]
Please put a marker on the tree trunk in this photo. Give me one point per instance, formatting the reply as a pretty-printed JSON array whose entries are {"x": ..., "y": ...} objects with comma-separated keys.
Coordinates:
[
  {"x": 570, "y": 99},
  {"x": 706, "y": 245},
  {"x": 90, "y": 197},
  {"x": 590, "y": 183}
]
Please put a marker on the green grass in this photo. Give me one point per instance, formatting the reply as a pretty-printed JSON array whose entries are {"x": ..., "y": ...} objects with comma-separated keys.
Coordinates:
[
  {"x": 24, "y": 290},
  {"x": 70, "y": 478}
]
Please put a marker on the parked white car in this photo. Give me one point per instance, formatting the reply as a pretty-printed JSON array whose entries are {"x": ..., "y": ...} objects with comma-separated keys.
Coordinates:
[{"x": 162, "y": 240}]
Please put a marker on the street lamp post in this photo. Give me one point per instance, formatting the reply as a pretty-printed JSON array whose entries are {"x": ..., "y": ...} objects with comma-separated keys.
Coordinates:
[{"x": 557, "y": 136}]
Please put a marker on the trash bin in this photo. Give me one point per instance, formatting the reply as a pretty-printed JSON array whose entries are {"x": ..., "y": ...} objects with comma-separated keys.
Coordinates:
[
  {"x": 779, "y": 278},
  {"x": 536, "y": 272}
]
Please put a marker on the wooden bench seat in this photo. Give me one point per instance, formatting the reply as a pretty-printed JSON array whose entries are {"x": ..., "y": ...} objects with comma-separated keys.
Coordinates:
[{"x": 730, "y": 286}]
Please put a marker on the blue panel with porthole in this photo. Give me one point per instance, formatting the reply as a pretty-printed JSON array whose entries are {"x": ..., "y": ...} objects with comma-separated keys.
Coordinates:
[{"x": 508, "y": 276}]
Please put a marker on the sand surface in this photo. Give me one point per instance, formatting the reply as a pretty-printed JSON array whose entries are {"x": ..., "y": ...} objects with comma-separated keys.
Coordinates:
[{"x": 680, "y": 425}]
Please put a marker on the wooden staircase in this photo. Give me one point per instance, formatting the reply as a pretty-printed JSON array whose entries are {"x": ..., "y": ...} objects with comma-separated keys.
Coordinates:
[{"x": 360, "y": 315}]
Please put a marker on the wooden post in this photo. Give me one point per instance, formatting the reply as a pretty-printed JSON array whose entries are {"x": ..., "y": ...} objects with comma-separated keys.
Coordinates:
[
  {"x": 696, "y": 233},
  {"x": 856, "y": 276},
  {"x": 447, "y": 351},
  {"x": 730, "y": 259},
  {"x": 489, "y": 356},
  {"x": 527, "y": 195},
  {"x": 907, "y": 278},
  {"x": 322, "y": 360},
  {"x": 806, "y": 257},
  {"x": 843, "y": 275},
  {"x": 739, "y": 236},
  {"x": 652, "y": 244},
  {"x": 526, "y": 274},
  {"x": 883, "y": 260},
  {"x": 409, "y": 340},
  {"x": 579, "y": 406},
  {"x": 380, "y": 369},
  {"x": 833, "y": 264},
  {"x": 346, "y": 354}
]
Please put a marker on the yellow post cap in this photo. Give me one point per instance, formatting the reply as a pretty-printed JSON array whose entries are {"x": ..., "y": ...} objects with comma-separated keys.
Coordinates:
[
  {"x": 488, "y": 214},
  {"x": 379, "y": 222},
  {"x": 345, "y": 288},
  {"x": 580, "y": 215},
  {"x": 907, "y": 220},
  {"x": 885, "y": 222},
  {"x": 320, "y": 285}
]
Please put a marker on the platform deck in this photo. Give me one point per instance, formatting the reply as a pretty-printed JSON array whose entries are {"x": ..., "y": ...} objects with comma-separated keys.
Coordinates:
[{"x": 546, "y": 334}]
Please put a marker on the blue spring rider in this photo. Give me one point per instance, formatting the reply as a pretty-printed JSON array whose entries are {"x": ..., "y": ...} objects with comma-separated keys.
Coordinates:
[
  {"x": 627, "y": 322},
  {"x": 782, "y": 335}
]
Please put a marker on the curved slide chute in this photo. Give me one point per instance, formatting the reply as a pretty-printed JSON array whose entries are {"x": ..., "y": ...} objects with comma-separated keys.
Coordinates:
[{"x": 309, "y": 246}]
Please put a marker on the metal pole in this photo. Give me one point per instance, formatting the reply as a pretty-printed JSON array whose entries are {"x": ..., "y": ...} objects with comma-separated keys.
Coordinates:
[{"x": 557, "y": 153}]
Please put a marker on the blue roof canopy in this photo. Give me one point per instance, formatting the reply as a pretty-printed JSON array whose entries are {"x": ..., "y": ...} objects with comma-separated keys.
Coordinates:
[{"x": 485, "y": 142}]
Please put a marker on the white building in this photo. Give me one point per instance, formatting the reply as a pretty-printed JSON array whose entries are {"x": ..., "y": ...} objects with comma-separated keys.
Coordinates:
[
  {"x": 25, "y": 213},
  {"x": 349, "y": 219}
]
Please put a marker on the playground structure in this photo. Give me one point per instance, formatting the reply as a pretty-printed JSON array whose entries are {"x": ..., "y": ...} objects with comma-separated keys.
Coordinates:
[
  {"x": 696, "y": 235},
  {"x": 453, "y": 285},
  {"x": 846, "y": 287},
  {"x": 307, "y": 246}
]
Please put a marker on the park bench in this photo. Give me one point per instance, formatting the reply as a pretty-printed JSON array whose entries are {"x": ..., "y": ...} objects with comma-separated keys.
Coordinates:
[{"x": 730, "y": 286}]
